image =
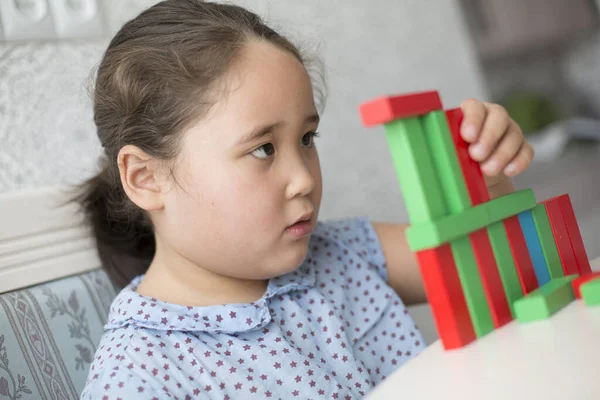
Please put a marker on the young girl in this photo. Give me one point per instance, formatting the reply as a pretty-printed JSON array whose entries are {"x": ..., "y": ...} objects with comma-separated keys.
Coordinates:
[{"x": 206, "y": 212}]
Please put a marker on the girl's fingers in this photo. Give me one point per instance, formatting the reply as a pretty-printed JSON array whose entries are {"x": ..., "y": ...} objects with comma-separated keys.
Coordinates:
[
  {"x": 475, "y": 113},
  {"x": 494, "y": 128},
  {"x": 521, "y": 161},
  {"x": 509, "y": 146}
]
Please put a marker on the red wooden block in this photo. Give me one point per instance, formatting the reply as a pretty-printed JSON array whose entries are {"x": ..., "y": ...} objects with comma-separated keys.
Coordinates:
[
  {"x": 561, "y": 237},
  {"x": 490, "y": 278},
  {"x": 583, "y": 262},
  {"x": 520, "y": 253},
  {"x": 388, "y": 109},
  {"x": 446, "y": 297},
  {"x": 577, "y": 282},
  {"x": 470, "y": 168}
]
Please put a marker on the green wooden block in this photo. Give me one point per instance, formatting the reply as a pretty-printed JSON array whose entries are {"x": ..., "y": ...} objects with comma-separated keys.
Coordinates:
[
  {"x": 446, "y": 229},
  {"x": 511, "y": 204},
  {"x": 544, "y": 230},
  {"x": 545, "y": 300},
  {"x": 472, "y": 285},
  {"x": 506, "y": 264},
  {"x": 590, "y": 292},
  {"x": 415, "y": 170},
  {"x": 445, "y": 159}
]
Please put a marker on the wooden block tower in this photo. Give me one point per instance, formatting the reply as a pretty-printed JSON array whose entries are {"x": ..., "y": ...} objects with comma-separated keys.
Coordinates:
[{"x": 484, "y": 262}]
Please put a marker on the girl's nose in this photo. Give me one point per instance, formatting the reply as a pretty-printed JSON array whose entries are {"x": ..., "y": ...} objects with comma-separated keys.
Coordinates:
[{"x": 300, "y": 180}]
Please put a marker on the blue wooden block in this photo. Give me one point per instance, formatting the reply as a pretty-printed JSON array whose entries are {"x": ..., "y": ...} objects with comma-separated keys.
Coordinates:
[{"x": 535, "y": 247}]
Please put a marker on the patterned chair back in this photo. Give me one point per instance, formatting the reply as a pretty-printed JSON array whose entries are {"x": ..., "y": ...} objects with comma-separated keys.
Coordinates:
[
  {"x": 48, "y": 336},
  {"x": 54, "y": 298}
]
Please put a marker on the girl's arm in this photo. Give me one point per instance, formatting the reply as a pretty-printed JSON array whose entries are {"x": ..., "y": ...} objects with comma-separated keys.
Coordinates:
[
  {"x": 402, "y": 267},
  {"x": 498, "y": 144}
]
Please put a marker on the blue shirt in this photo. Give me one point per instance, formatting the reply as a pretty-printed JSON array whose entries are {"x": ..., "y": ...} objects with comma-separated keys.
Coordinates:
[{"x": 331, "y": 329}]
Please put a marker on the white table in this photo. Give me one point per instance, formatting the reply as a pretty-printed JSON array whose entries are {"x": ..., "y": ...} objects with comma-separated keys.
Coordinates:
[{"x": 556, "y": 358}]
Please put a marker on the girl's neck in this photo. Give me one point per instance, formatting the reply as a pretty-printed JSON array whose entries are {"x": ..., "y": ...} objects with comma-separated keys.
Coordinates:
[{"x": 189, "y": 285}]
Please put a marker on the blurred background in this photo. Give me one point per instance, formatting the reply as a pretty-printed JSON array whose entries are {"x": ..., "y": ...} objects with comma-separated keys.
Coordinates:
[{"x": 539, "y": 58}]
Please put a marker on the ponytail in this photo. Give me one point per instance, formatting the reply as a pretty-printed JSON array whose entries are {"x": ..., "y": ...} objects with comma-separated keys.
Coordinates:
[{"x": 123, "y": 233}]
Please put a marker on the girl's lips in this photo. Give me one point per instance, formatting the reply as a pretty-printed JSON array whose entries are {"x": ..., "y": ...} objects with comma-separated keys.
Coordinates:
[{"x": 300, "y": 229}]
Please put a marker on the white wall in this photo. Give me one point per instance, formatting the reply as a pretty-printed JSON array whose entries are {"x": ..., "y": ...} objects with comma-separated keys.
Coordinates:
[{"x": 370, "y": 47}]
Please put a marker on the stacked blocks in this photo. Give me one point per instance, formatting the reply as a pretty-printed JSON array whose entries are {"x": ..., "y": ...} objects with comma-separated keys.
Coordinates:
[{"x": 484, "y": 262}]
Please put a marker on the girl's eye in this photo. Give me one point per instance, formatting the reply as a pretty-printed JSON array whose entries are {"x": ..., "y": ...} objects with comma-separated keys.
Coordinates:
[
  {"x": 309, "y": 138},
  {"x": 265, "y": 151}
]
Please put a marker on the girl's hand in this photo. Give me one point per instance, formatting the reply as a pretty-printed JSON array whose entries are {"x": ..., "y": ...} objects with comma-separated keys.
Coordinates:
[{"x": 496, "y": 142}]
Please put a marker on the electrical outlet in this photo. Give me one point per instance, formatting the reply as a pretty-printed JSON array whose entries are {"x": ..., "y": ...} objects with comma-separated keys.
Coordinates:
[
  {"x": 77, "y": 18},
  {"x": 26, "y": 20}
]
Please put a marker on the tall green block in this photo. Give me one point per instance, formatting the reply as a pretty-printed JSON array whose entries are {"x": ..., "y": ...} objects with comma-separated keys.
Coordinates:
[
  {"x": 472, "y": 285},
  {"x": 544, "y": 230},
  {"x": 506, "y": 264},
  {"x": 443, "y": 153},
  {"x": 415, "y": 170}
]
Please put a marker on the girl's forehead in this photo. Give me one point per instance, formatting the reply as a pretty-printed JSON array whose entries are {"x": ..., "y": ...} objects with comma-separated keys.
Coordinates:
[{"x": 267, "y": 79}]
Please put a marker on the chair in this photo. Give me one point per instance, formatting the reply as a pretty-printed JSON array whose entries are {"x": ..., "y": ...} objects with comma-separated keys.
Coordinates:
[{"x": 54, "y": 298}]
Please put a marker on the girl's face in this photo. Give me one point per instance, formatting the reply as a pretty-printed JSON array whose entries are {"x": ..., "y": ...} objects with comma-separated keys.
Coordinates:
[{"x": 248, "y": 172}]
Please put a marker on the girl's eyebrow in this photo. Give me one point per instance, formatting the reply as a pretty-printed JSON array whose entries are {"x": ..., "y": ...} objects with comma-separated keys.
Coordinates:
[{"x": 263, "y": 130}]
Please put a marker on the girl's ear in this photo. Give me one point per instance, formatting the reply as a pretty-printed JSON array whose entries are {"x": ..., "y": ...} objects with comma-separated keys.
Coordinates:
[{"x": 140, "y": 177}]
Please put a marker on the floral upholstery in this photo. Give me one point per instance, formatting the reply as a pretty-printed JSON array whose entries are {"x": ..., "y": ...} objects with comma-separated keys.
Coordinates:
[{"x": 48, "y": 336}]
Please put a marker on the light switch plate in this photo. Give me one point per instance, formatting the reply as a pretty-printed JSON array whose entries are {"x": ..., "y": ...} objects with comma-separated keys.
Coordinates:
[
  {"x": 77, "y": 18},
  {"x": 26, "y": 20}
]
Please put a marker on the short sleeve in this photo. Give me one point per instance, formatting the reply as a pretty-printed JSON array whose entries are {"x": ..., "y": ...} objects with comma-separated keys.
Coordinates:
[
  {"x": 118, "y": 384},
  {"x": 358, "y": 236}
]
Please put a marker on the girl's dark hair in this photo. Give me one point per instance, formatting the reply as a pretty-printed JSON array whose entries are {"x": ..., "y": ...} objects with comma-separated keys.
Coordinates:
[{"x": 157, "y": 76}]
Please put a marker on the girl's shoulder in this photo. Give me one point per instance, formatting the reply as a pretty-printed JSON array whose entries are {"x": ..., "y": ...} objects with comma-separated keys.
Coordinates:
[{"x": 351, "y": 240}]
